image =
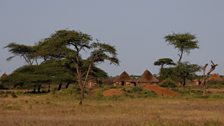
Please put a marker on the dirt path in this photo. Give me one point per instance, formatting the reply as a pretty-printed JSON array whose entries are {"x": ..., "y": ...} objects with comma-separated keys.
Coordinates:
[{"x": 113, "y": 92}]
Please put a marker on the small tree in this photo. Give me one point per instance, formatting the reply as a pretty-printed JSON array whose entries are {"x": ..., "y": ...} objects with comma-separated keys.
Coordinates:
[
  {"x": 181, "y": 73},
  {"x": 206, "y": 75},
  {"x": 183, "y": 42},
  {"x": 186, "y": 71},
  {"x": 164, "y": 61},
  {"x": 166, "y": 73}
]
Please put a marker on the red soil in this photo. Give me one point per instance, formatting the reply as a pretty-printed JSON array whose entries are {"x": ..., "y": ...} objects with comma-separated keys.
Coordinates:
[
  {"x": 112, "y": 92},
  {"x": 160, "y": 90}
]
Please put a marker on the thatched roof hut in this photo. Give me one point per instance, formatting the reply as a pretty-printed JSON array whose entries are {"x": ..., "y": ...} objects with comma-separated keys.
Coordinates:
[
  {"x": 147, "y": 77},
  {"x": 123, "y": 77}
]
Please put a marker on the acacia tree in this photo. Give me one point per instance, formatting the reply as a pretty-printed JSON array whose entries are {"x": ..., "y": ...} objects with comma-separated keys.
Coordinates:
[
  {"x": 183, "y": 42},
  {"x": 70, "y": 45},
  {"x": 164, "y": 61},
  {"x": 24, "y": 51},
  {"x": 181, "y": 72},
  {"x": 185, "y": 71}
]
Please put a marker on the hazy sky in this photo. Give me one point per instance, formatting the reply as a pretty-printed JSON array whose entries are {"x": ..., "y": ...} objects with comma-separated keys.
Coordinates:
[{"x": 135, "y": 27}]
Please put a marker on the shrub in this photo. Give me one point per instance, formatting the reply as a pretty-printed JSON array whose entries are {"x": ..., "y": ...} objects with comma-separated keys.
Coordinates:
[
  {"x": 2, "y": 86},
  {"x": 147, "y": 93},
  {"x": 168, "y": 83},
  {"x": 216, "y": 95},
  {"x": 136, "y": 89},
  {"x": 215, "y": 84}
]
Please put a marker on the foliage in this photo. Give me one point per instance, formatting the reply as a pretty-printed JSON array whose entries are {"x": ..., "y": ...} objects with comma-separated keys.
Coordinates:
[
  {"x": 167, "y": 73},
  {"x": 47, "y": 72},
  {"x": 1, "y": 86},
  {"x": 136, "y": 89},
  {"x": 186, "y": 71},
  {"x": 168, "y": 83},
  {"x": 181, "y": 73},
  {"x": 2, "y": 79},
  {"x": 51, "y": 71},
  {"x": 164, "y": 61},
  {"x": 138, "y": 92},
  {"x": 24, "y": 51},
  {"x": 183, "y": 42}
]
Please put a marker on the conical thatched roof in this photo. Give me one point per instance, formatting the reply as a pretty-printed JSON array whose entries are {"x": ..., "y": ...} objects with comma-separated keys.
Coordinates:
[
  {"x": 123, "y": 77},
  {"x": 147, "y": 77}
]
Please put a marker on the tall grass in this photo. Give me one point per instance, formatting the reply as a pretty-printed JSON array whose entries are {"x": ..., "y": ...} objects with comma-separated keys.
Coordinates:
[{"x": 61, "y": 108}]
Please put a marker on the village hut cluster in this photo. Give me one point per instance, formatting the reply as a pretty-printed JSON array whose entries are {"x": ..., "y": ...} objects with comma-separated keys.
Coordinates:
[{"x": 125, "y": 80}]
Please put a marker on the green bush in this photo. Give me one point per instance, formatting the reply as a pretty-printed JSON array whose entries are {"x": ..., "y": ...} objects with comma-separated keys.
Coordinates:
[
  {"x": 138, "y": 92},
  {"x": 147, "y": 93},
  {"x": 215, "y": 84},
  {"x": 216, "y": 95},
  {"x": 136, "y": 89},
  {"x": 168, "y": 83},
  {"x": 2, "y": 86},
  {"x": 68, "y": 91}
]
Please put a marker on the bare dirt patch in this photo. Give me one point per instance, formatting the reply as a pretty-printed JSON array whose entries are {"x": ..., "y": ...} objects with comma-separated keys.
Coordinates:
[
  {"x": 113, "y": 92},
  {"x": 160, "y": 90}
]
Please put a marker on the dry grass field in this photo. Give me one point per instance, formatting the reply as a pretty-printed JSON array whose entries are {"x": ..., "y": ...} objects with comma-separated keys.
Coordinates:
[{"x": 63, "y": 110}]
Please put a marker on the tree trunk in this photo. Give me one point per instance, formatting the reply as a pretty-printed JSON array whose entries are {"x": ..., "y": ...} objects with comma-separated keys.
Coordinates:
[
  {"x": 49, "y": 87},
  {"x": 36, "y": 62},
  {"x": 162, "y": 66},
  {"x": 34, "y": 89},
  {"x": 80, "y": 83},
  {"x": 206, "y": 76},
  {"x": 204, "y": 85},
  {"x": 181, "y": 55},
  {"x": 67, "y": 85},
  {"x": 59, "y": 86},
  {"x": 87, "y": 74},
  {"x": 184, "y": 82},
  {"x": 81, "y": 91},
  {"x": 204, "y": 90},
  {"x": 38, "y": 89},
  {"x": 81, "y": 95}
]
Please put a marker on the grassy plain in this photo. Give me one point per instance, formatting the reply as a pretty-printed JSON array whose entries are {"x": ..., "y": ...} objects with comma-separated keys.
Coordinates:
[{"x": 62, "y": 109}]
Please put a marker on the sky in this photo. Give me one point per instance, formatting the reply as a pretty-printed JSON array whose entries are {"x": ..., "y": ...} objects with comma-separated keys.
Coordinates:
[{"x": 135, "y": 27}]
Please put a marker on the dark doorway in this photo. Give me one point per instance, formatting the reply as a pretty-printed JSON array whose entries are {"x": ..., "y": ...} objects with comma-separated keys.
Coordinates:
[{"x": 122, "y": 83}]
